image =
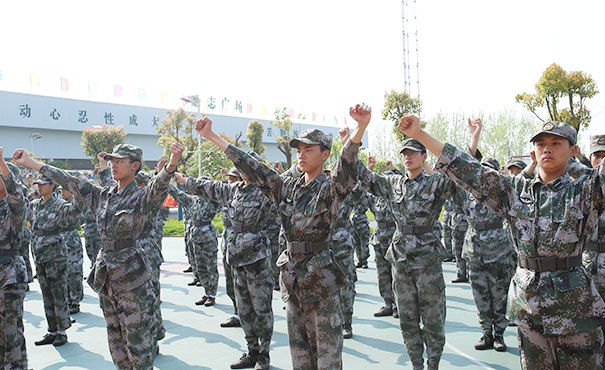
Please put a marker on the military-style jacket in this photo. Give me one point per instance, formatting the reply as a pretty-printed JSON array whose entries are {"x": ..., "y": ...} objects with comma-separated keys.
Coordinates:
[
  {"x": 12, "y": 221},
  {"x": 200, "y": 211},
  {"x": 120, "y": 216},
  {"x": 547, "y": 220},
  {"x": 307, "y": 211},
  {"x": 248, "y": 210}
]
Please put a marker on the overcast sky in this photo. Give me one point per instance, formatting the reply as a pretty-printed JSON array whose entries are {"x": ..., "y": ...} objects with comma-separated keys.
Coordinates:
[{"x": 314, "y": 56}]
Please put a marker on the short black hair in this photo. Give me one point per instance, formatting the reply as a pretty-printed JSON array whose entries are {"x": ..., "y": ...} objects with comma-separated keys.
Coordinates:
[{"x": 132, "y": 160}]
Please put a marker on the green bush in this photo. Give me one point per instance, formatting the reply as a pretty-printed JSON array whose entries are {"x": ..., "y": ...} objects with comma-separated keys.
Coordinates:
[{"x": 174, "y": 227}]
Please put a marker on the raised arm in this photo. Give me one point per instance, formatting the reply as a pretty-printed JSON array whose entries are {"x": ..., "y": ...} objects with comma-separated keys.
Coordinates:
[
  {"x": 105, "y": 177},
  {"x": 216, "y": 191},
  {"x": 14, "y": 192},
  {"x": 475, "y": 127},
  {"x": 180, "y": 196}
]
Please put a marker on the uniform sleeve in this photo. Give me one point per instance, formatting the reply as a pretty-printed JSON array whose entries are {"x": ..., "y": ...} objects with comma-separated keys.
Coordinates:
[
  {"x": 16, "y": 199},
  {"x": 487, "y": 185},
  {"x": 345, "y": 172},
  {"x": 215, "y": 190},
  {"x": 156, "y": 190},
  {"x": 70, "y": 213},
  {"x": 180, "y": 196},
  {"x": 86, "y": 191},
  {"x": 578, "y": 169},
  {"x": 106, "y": 178},
  {"x": 376, "y": 184}
]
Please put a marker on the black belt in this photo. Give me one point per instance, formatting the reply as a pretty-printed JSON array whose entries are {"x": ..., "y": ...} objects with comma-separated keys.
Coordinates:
[
  {"x": 227, "y": 223},
  {"x": 114, "y": 245},
  {"x": 542, "y": 264},
  {"x": 306, "y": 247},
  {"x": 239, "y": 229},
  {"x": 8, "y": 252},
  {"x": 386, "y": 224},
  {"x": 596, "y": 246},
  {"x": 415, "y": 230},
  {"x": 488, "y": 225},
  {"x": 202, "y": 224}
]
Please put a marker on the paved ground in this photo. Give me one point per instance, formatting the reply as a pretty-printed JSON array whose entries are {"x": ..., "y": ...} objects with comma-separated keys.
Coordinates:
[{"x": 194, "y": 339}]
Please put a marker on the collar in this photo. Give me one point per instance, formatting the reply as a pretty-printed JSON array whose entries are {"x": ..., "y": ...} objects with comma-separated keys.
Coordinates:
[
  {"x": 127, "y": 189},
  {"x": 556, "y": 185},
  {"x": 420, "y": 176},
  {"x": 315, "y": 183}
]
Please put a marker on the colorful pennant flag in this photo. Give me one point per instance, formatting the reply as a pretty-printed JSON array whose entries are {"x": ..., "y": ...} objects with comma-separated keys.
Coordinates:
[
  {"x": 92, "y": 88},
  {"x": 165, "y": 99},
  {"x": 142, "y": 94},
  {"x": 117, "y": 90},
  {"x": 34, "y": 79},
  {"x": 64, "y": 84},
  {"x": 249, "y": 108},
  {"x": 264, "y": 109}
]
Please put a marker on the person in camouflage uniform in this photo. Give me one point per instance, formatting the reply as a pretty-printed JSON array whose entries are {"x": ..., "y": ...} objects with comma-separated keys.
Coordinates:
[
  {"x": 250, "y": 258},
  {"x": 459, "y": 225},
  {"x": 447, "y": 231},
  {"x": 92, "y": 238},
  {"x": 52, "y": 216},
  {"x": 361, "y": 232},
  {"x": 204, "y": 237},
  {"x": 310, "y": 278},
  {"x": 121, "y": 275},
  {"x": 514, "y": 167},
  {"x": 381, "y": 241},
  {"x": 552, "y": 298},
  {"x": 13, "y": 272},
  {"x": 75, "y": 260},
  {"x": 273, "y": 229},
  {"x": 416, "y": 252}
]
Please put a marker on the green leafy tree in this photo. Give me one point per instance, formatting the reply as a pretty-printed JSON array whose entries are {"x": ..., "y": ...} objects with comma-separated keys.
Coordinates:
[
  {"x": 254, "y": 134},
  {"x": 563, "y": 95},
  {"x": 101, "y": 139},
  {"x": 286, "y": 133},
  {"x": 179, "y": 126},
  {"x": 213, "y": 159},
  {"x": 396, "y": 105}
]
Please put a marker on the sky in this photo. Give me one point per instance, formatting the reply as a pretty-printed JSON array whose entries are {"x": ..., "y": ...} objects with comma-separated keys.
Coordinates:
[{"x": 314, "y": 56}]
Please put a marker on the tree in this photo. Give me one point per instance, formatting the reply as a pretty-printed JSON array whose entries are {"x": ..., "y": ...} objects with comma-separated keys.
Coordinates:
[
  {"x": 101, "y": 139},
  {"x": 213, "y": 159},
  {"x": 564, "y": 96},
  {"x": 286, "y": 133},
  {"x": 254, "y": 134},
  {"x": 396, "y": 105},
  {"x": 178, "y": 126}
]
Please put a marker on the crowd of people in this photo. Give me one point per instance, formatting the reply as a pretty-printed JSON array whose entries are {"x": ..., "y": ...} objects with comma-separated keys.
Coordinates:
[{"x": 530, "y": 240}]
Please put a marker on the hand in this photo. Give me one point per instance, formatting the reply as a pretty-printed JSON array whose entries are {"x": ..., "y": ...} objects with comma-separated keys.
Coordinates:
[
  {"x": 278, "y": 167},
  {"x": 1, "y": 153},
  {"x": 20, "y": 156},
  {"x": 224, "y": 172},
  {"x": 95, "y": 172},
  {"x": 176, "y": 149},
  {"x": 101, "y": 156},
  {"x": 371, "y": 162},
  {"x": 180, "y": 178},
  {"x": 204, "y": 127},
  {"x": 362, "y": 114},
  {"x": 532, "y": 154},
  {"x": 475, "y": 125},
  {"x": 410, "y": 125},
  {"x": 344, "y": 134}
]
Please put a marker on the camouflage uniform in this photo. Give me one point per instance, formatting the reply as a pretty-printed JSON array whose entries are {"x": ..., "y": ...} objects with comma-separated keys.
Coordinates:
[
  {"x": 92, "y": 238},
  {"x": 459, "y": 227},
  {"x": 227, "y": 238},
  {"x": 448, "y": 215},
  {"x": 310, "y": 278},
  {"x": 273, "y": 229},
  {"x": 203, "y": 236},
  {"x": 122, "y": 275},
  {"x": 361, "y": 232},
  {"x": 75, "y": 259},
  {"x": 49, "y": 220},
  {"x": 250, "y": 256},
  {"x": 13, "y": 274},
  {"x": 416, "y": 254},
  {"x": 551, "y": 298}
]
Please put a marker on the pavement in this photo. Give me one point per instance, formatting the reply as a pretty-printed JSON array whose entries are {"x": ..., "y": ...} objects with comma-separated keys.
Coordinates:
[{"x": 194, "y": 339}]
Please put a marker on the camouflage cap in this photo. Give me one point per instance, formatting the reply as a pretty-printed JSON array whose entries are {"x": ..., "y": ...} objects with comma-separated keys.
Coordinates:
[
  {"x": 256, "y": 156},
  {"x": 412, "y": 144},
  {"x": 126, "y": 151},
  {"x": 597, "y": 143},
  {"x": 557, "y": 128},
  {"x": 41, "y": 180},
  {"x": 142, "y": 177},
  {"x": 234, "y": 172},
  {"x": 491, "y": 163},
  {"x": 329, "y": 167},
  {"x": 313, "y": 137},
  {"x": 516, "y": 163}
]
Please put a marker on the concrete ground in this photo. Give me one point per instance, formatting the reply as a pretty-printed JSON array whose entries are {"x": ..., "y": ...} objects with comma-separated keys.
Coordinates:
[{"x": 194, "y": 339}]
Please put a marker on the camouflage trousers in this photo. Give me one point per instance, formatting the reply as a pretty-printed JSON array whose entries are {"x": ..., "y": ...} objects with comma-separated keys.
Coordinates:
[
  {"x": 458, "y": 244},
  {"x": 52, "y": 277},
  {"x": 347, "y": 293},
  {"x": 563, "y": 352},
  {"x": 92, "y": 244},
  {"x": 314, "y": 331},
  {"x": 254, "y": 294},
  {"x": 205, "y": 255},
  {"x": 489, "y": 283},
  {"x": 13, "y": 353},
  {"x": 448, "y": 239},
  {"x": 275, "y": 252},
  {"x": 383, "y": 270},
  {"x": 130, "y": 318},
  {"x": 361, "y": 240},
  {"x": 228, "y": 269},
  {"x": 26, "y": 258},
  {"x": 157, "y": 289},
  {"x": 420, "y": 296},
  {"x": 189, "y": 251},
  {"x": 75, "y": 276}
]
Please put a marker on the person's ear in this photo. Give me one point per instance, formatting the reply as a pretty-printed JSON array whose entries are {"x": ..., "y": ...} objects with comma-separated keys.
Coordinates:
[
  {"x": 424, "y": 156},
  {"x": 325, "y": 154},
  {"x": 574, "y": 150}
]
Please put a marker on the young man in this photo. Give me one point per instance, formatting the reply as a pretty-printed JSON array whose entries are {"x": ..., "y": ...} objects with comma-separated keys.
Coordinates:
[
  {"x": 515, "y": 166},
  {"x": 552, "y": 298},
  {"x": 310, "y": 278},
  {"x": 13, "y": 272},
  {"x": 121, "y": 274},
  {"x": 75, "y": 260}
]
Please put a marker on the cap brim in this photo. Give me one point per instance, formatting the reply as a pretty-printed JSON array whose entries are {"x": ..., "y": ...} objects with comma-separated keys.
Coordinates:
[
  {"x": 294, "y": 142},
  {"x": 42, "y": 182},
  {"x": 233, "y": 174},
  {"x": 599, "y": 148},
  {"x": 115, "y": 155},
  {"x": 547, "y": 132},
  {"x": 411, "y": 148}
]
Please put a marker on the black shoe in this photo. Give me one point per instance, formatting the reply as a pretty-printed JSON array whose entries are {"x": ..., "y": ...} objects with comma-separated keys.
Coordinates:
[
  {"x": 395, "y": 312},
  {"x": 188, "y": 269},
  {"x": 233, "y": 322},
  {"x": 60, "y": 340},
  {"x": 276, "y": 287},
  {"x": 384, "y": 311},
  {"x": 157, "y": 351},
  {"x": 358, "y": 265},
  {"x": 262, "y": 361},
  {"x": 48, "y": 339},
  {"x": 486, "y": 342},
  {"x": 247, "y": 361},
  {"x": 512, "y": 324},
  {"x": 194, "y": 282},
  {"x": 27, "y": 288},
  {"x": 499, "y": 344},
  {"x": 74, "y": 308},
  {"x": 365, "y": 265},
  {"x": 210, "y": 302},
  {"x": 202, "y": 301},
  {"x": 199, "y": 283},
  {"x": 460, "y": 280},
  {"x": 347, "y": 331},
  {"x": 449, "y": 259},
  {"x": 72, "y": 320}
]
